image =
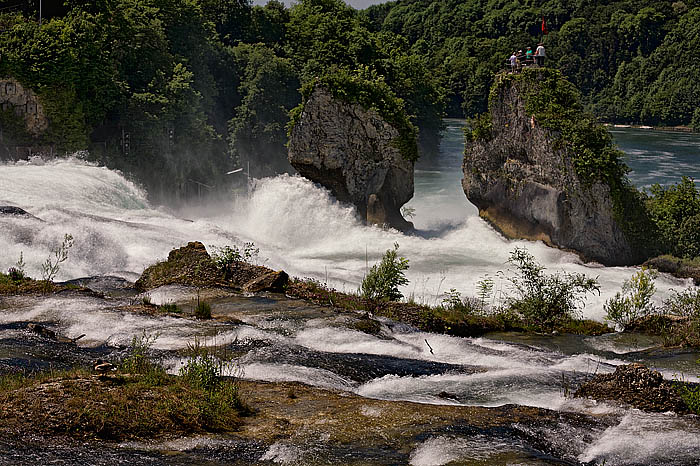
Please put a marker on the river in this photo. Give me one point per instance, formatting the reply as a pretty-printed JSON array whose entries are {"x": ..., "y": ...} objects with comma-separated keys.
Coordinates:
[
  {"x": 300, "y": 228},
  {"x": 296, "y": 225}
]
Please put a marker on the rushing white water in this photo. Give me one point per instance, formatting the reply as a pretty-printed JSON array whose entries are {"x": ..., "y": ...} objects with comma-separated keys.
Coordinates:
[
  {"x": 297, "y": 225},
  {"x": 318, "y": 350}
]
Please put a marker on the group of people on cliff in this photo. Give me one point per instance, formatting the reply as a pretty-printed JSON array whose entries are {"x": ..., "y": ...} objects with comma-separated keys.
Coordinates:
[{"x": 519, "y": 60}]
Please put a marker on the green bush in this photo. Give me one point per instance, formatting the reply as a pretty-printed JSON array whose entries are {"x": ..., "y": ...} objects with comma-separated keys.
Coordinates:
[
  {"x": 689, "y": 237},
  {"x": 634, "y": 301},
  {"x": 544, "y": 300},
  {"x": 225, "y": 256},
  {"x": 140, "y": 361},
  {"x": 691, "y": 397},
  {"x": 169, "y": 307},
  {"x": 690, "y": 394},
  {"x": 479, "y": 128},
  {"x": 675, "y": 210},
  {"x": 205, "y": 370},
  {"x": 455, "y": 303},
  {"x": 52, "y": 265},
  {"x": 384, "y": 279},
  {"x": 685, "y": 303},
  {"x": 695, "y": 123},
  {"x": 202, "y": 310}
]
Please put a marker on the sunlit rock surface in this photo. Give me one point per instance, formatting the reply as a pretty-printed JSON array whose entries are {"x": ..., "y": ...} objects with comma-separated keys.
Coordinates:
[
  {"x": 349, "y": 150},
  {"x": 523, "y": 180}
]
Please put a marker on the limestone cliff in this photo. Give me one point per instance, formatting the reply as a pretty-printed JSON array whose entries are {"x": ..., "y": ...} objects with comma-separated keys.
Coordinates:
[
  {"x": 25, "y": 104},
  {"x": 539, "y": 168},
  {"x": 350, "y": 150}
]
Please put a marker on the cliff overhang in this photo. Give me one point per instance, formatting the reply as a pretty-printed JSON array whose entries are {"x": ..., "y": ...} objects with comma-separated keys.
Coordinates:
[
  {"x": 538, "y": 167},
  {"x": 355, "y": 153}
]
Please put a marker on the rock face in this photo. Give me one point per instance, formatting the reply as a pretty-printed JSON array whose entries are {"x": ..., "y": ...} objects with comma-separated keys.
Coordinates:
[
  {"x": 676, "y": 267},
  {"x": 25, "y": 104},
  {"x": 192, "y": 265},
  {"x": 635, "y": 385},
  {"x": 13, "y": 210},
  {"x": 188, "y": 265},
  {"x": 349, "y": 150},
  {"x": 523, "y": 181}
]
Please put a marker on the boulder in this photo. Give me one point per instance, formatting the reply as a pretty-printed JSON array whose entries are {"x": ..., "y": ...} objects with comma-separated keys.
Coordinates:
[
  {"x": 349, "y": 150},
  {"x": 274, "y": 281},
  {"x": 635, "y": 385},
  {"x": 192, "y": 265},
  {"x": 677, "y": 267},
  {"x": 188, "y": 265},
  {"x": 12, "y": 210},
  {"x": 522, "y": 177},
  {"x": 16, "y": 211}
]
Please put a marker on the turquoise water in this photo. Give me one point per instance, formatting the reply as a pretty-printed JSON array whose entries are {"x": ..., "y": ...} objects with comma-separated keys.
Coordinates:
[
  {"x": 653, "y": 156},
  {"x": 659, "y": 156},
  {"x": 299, "y": 227}
]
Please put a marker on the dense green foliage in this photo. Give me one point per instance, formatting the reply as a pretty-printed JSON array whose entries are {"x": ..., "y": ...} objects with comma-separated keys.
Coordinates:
[
  {"x": 634, "y": 301},
  {"x": 632, "y": 59},
  {"x": 269, "y": 90},
  {"x": 384, "y": 279},
  {"x": 545, "y": 300},
  {"x": 328, "y": 40},
  {"x": 178, "y": 92},
  {"x": 675, "y": 211}
]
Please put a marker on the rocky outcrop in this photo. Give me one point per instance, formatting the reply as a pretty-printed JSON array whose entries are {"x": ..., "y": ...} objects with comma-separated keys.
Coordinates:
[
  {"x": 681, "y": 268},
  {"x": 522, "y": 178},
  {"x": 188, "y": 265},
  {"x": 25, "y": 104},
  {"x": 349, "y": 150},
  {"x": 192, "y": 265},
  {"x": 635, "y": 385}
]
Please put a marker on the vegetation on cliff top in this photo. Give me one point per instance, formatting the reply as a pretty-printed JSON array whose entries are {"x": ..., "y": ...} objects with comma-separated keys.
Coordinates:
[
  {"x": 555, "y": 104},
  {"x": 631, "y": 59},
  {"x": 660, "y": 220},
  {"x": 366, "y": 88}
]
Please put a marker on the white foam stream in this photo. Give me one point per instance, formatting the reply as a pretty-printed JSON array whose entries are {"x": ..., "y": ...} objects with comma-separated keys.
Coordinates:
[{"x": 297, "y": 225}]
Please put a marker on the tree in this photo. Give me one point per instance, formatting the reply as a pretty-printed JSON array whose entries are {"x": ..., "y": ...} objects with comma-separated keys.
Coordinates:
[{"x": 257, "y": 132}]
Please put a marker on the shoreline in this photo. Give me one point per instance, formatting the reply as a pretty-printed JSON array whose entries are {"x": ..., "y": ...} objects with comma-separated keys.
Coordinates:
[{"x": 668, "y": 129}]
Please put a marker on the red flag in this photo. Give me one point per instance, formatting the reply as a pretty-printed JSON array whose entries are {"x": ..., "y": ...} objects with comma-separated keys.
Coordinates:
[{"x": 544, "y": 26}]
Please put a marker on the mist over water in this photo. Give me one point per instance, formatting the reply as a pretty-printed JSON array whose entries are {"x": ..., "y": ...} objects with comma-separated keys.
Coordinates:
[
  {"x": 297, "y": 225},
  {"x": 300, "y": 228}
]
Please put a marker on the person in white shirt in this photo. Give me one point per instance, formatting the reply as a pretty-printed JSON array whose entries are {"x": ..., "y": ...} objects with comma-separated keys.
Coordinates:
[{"x": 540, "y": 54}]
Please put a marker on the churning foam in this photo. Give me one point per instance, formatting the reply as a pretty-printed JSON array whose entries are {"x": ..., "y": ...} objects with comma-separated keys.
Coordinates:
[
  {"x": 297, "y": 225},
  {"x": 645, "y": 438}
]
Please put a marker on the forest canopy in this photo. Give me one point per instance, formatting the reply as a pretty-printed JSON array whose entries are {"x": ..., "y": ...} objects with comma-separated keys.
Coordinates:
[
  {"x": 178, "y": 92},
  {"x": 635, "y": 61}
]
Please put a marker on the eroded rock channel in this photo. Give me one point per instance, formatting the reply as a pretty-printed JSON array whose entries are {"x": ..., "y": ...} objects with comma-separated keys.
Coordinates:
[{"x": 324, "y": 392}]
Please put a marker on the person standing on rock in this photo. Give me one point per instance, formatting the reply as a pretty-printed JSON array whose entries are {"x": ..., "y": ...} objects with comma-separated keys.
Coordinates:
[
  {"x": 513, "y": 63},
  {"x": 528, "y": 56},
  {"x": 540, "y": 54}
]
